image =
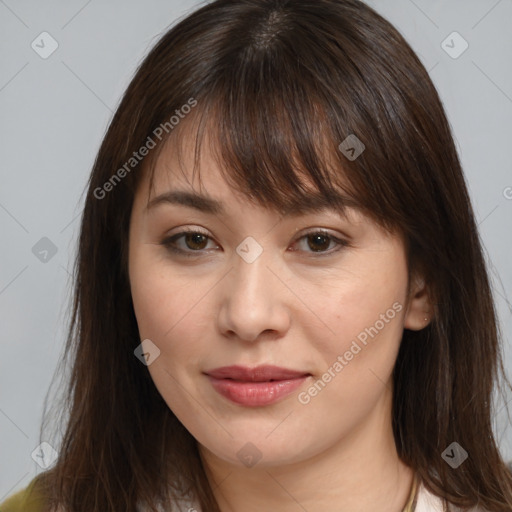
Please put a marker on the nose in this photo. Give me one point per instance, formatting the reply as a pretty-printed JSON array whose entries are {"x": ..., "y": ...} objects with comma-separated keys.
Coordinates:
[{"x": 254, "y": 301}]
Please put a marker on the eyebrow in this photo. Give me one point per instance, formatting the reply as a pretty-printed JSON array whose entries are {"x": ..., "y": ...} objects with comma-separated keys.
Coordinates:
[{"x": 209, "y": 205}]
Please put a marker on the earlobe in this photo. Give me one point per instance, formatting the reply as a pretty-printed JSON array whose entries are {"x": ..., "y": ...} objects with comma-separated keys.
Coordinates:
[{"x": 419, "y": 311}]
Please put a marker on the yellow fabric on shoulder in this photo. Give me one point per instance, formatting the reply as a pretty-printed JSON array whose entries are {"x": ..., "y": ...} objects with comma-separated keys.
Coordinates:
[{"x": 23, "y": 501}]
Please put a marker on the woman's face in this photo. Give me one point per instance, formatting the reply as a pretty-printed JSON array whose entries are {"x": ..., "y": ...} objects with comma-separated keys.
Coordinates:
[{"x": 253, "y": 288}]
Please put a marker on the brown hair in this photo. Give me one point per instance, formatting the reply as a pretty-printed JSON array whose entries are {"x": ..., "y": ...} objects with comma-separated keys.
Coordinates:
[{"x": 282, "y": 83}]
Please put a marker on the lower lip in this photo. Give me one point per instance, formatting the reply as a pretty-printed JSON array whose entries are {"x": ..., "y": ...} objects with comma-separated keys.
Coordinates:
[{"x": 254, "y": 394}]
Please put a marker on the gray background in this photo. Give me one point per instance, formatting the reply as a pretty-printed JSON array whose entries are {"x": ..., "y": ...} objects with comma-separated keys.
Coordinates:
[{"x": 54, "y": 112}]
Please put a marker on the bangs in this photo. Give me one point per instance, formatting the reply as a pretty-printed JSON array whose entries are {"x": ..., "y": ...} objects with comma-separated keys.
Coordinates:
[
  {"x": 271, "y": 135},
  {"x": 265, "y": 156},
  {"x": 278, "y": 101}
]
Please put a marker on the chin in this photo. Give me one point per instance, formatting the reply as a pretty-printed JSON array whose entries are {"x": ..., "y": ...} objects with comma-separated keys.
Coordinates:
[{"x": 245, "y": 449}]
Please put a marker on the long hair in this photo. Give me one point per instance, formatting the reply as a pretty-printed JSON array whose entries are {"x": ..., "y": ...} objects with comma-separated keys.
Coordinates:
[{"x": 278, "y": 85}]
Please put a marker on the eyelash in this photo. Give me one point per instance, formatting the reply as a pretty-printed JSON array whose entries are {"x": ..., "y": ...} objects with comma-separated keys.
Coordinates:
[{"x": 169, "y": 242}]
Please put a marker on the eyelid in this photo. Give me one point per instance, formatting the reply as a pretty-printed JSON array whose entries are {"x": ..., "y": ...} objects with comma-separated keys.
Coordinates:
[{"x": 324, "y": 231}]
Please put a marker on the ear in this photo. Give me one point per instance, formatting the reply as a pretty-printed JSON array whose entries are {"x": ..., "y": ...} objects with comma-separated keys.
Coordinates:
[{"x": 419, "y": 310}]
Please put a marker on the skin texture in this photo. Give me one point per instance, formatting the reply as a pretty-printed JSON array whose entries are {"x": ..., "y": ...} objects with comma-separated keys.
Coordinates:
[{"x": 290, "y": 307}]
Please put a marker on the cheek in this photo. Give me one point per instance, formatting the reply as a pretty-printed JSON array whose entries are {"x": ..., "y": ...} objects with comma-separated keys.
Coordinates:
[
  {"x": 356, "y": 366},
  {"x": 371, "y": 297},
  {"x": 362, "y": 333},
  {"x": 159, "y": 301},
  {"x": 171, "y": 310}
]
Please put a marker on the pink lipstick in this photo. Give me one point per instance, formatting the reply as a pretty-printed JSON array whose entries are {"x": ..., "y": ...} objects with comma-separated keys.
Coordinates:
[{"x": 255, "y": 387}]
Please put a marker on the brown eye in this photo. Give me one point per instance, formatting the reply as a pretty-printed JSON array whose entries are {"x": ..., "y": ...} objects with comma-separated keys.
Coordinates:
[
  {"x": 195, "y": 241},
  {"x": 320, "y": 242},
  {"x": 192, "y": 242}
]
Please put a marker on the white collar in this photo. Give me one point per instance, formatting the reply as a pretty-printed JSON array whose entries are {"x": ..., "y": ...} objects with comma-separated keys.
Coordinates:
[{"x": 428, "y": 502}]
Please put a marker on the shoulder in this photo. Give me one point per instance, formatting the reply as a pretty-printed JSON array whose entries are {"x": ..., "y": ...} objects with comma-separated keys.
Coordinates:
[
  {"x": 28, "y": 500},
  {"x": 25, "y": 500},
  {"x": 428, "y": 502}
]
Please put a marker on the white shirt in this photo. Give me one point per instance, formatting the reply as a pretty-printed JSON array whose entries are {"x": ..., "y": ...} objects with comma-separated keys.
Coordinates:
[{"x": 426, "y": 502}]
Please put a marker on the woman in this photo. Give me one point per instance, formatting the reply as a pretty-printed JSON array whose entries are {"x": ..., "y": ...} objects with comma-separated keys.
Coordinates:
[{"x": 308, "y": 325}]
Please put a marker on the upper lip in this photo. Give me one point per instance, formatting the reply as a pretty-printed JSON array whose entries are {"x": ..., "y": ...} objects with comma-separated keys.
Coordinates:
[{"x": 257, "y": 374}]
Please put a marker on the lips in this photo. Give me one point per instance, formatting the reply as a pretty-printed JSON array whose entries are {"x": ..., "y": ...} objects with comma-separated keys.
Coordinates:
[
  {"x": 255, "y": 387},
  {"x": 262, "y": 373}
]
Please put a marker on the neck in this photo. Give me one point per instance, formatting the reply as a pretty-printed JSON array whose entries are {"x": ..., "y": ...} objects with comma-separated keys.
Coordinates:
[{"x": 361, "y": 470}]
